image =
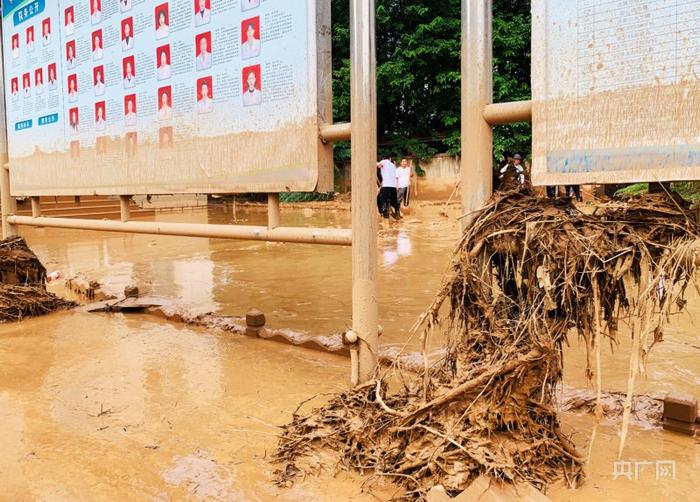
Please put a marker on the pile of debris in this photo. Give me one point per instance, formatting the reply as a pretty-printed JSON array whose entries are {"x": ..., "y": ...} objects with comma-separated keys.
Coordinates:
[
  {"x": 527, "y": 273},
  {"x": 23, "y": 283}
]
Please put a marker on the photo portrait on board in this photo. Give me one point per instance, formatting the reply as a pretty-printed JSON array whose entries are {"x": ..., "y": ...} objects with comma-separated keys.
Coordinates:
[
  {"x": 100, "y": 116},
  {"x": 127, "y": 34},
  {"x": 15, "y": 46},
  {"x": 165, "y": 137},
  {"x": 46, "y": 31},
  {"x": 250, "y": 38},
  {"x": 30, "y": 39},
  {"x": 249, "y": 4},
  {"x": 205, "y": 96},
  {"x": 131, "y": 140},
  {"x": 69, "y": 20},
  {"x": 27, "y": 84},
  {"x": 97, "y": 45},
  {"x": 162, "y": 21},
  {"x": 163, "y": 62},
  {"x": 129, "y": 72},
  {"x": 202, "y": 44},
  {"x": 252, "y": 86},
  {"x": 73, "y": 121},
  {"x": 165, "y": 103},
  {"x": 71, "y": 62},
  {"x": 98, "y": 80},
  {"x": 72, "y": 86},
  {"x": 95, "y": 11},
  {"x": 51, "y": 70},
  {"x": 14, "y": 88},
  {"x": 130, "y": 110},
  {"x": 202, "y": 12},
  {"x": 39, "y": 81}
]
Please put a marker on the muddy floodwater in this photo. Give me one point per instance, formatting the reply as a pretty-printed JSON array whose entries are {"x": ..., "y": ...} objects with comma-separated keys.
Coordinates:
[{"x": 129, "y": 407}]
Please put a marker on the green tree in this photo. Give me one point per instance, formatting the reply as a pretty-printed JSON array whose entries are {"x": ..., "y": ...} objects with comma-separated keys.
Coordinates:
[{"x": 418, "y": 73}]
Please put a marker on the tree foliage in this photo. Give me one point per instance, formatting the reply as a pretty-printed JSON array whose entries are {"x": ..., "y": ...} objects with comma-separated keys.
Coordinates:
[{"x": 418, "y": 73}]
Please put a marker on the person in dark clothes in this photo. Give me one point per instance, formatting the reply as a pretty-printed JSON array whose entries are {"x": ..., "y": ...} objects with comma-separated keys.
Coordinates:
[
  {"x": 387, "y": 193},
  {"x": 574, "y": 191}
]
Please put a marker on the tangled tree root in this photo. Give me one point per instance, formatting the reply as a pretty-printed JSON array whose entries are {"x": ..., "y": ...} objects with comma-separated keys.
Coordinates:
[
  {"x": 23, "y": 283},
  {"x": 526, "y": 271}
]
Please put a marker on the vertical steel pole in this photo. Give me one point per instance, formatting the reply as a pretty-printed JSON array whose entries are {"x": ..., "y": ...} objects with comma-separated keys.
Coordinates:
[
  {"x": 124, "y": 209},
  {"x": 273, "y": 210},
  {"x": 8, "y": 204},
  {"x": 477, "y": 92},
  {"x": 363, "y": 117}
]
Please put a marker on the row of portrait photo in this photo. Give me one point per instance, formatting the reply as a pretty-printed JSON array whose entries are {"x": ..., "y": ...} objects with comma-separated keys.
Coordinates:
[
  {"x": 201, "y": 14},
  {"x": 37, "y": 83},
  {"x": 204, "y": 96}
]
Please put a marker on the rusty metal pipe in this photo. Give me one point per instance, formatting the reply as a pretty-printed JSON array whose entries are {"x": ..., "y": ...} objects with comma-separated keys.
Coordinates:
[{"x": 333, "y": 236}]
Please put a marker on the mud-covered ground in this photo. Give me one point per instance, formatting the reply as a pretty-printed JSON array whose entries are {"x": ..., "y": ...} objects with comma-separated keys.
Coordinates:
[{"x": 114, "y": 406}]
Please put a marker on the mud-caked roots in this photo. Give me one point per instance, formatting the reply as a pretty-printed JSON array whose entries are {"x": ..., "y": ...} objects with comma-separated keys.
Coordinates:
[
  {"x": 527, "y": 272},
  {"x": 23, "y": 283}
]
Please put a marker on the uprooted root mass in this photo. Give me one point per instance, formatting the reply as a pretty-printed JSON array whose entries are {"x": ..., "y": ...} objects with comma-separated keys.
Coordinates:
[
  {"x": 526, "y": 271},
  {"x": 23, "y": 283}
]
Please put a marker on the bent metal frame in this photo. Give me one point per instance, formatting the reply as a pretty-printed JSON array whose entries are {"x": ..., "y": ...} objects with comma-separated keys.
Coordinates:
[{"x": 478, "y": 115}]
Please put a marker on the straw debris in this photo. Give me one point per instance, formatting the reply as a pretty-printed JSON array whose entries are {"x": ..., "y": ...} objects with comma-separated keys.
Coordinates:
[
  {"x": 527, "y": 273},
  {"x": 23, "y": 283}
]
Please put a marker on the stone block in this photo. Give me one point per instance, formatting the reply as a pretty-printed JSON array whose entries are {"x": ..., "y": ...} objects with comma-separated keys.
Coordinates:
[
  {"x": 685, "y": 428},
  {"x": 680, "y": 407}
]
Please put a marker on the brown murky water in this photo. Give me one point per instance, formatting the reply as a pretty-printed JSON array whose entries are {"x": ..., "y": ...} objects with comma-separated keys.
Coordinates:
[{"x": 96, "y": 407}]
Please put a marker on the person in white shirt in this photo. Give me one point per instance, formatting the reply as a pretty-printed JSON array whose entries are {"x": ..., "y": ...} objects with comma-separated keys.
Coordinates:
[
  {"x": 252, "y": 95},
  {"x": 130, "y": 115},
  {"x": 46, "y": 33},
  {"x": 249, "y": 4},
  {"x": 124, "y": 5},
  {"x": 403, "y": 182},
  {"x": 73, "y": 123},
  {"x": 15, "y": 47},
  {"x": 96, "y": 47},
  {"x": 203, "y": 15},
  {"x": 72, "y": 90},
  {"x": 205, "y": 103},
  {"x": 162, "y": 28},
  {"x": 30, "y": 40},
  {"x": 128, "y": 40},
  {"x": 52, "y": 79},
  {"x": 204, "y": 59},
  {"x": 70, "y": 26},
  {"x": 27, "y": 87},
  {"x": 387, "y": 193},
  {"x": 251, "y": 46},
  {"x": 165, "y": 112},
  {"x": 70, "y": 57},
  {"x": 99, "y": 86},
  {"x": 129, "y": 79},
  {"x": 163, "y": 70},
  {"x": 100, "y": 122},
  {"x": 96, "y": 15},
  {"x": 15, "y": 90}
]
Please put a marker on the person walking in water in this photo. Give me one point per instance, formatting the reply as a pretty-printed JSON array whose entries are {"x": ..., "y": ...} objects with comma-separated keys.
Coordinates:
[
  {"x": 387, "y": 192},
  {"x": 403, "y": 182}
]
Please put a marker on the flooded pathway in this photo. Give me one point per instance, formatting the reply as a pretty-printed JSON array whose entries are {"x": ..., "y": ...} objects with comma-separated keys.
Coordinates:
[{"x": 96, "y": 407}]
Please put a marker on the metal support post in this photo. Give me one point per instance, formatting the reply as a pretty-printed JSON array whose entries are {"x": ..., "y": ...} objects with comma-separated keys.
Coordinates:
[
  {"x": 273, "y": 210},
  {"x": 36, "y": 207},
  {"x": 124, "y": 210},
  {"x": 363, "y": 120},
  {"x": 477, "y": 93},
  {"x": 9, "y": 205}
]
